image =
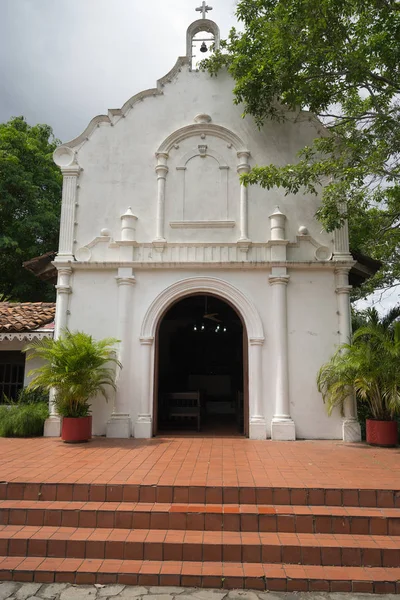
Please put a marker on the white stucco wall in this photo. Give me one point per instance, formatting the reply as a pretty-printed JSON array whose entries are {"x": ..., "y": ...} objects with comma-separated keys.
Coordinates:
[{"x": 312, "y": 329}]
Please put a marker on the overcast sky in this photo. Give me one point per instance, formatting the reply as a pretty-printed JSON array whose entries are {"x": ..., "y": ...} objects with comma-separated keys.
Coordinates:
[{"x": 62, "y": 62}]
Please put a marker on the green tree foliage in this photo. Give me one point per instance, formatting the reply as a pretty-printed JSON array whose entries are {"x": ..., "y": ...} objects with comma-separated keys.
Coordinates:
[
  {"x": 30, "y": 200},
  {"x": 77, "y": 367},
  {"x": 339, "y": 59}
]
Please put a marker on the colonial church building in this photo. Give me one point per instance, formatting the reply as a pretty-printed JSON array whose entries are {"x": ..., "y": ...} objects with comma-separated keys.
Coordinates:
[{"x": 226, "y": 299}]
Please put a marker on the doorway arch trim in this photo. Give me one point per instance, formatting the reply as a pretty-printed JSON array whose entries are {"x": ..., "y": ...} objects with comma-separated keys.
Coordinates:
[
  {"x": 255, "y": 336},
  {"x": 203, "y": 285}
]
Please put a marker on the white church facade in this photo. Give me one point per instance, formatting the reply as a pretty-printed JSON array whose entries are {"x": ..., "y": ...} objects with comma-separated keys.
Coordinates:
[{"x": 226, "y": 299}]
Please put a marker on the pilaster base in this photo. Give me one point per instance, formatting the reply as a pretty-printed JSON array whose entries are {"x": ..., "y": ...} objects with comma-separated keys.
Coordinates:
[
  {"x": 52, "y": 426},
  {"x": 351, "y": 430},
  {"x": 283, "y": 430},
  {"x": 119, "y": 426},
  {"x": 144, "y": 427},
  {"x": 257, "y": 429}
]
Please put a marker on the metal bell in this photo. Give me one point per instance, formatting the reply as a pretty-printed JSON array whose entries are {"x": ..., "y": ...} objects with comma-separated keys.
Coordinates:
[{"x": 203, "y": 47}]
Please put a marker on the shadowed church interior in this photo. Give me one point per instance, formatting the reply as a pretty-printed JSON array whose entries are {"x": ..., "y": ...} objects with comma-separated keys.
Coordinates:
[{"x": 201, "y": 368}]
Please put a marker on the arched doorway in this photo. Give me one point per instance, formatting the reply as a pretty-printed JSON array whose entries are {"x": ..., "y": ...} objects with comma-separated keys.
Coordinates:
[{"x": 201, "y": 368}]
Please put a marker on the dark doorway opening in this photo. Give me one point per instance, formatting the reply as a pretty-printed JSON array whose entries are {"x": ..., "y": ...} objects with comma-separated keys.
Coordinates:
[{"x": 201, "y": 384}]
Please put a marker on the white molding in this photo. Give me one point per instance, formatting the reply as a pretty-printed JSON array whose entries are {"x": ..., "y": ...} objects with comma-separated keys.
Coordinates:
[
  {"x": 283, "y": 430},
  {"x": 201, "y": 285},
  {"x": 52, "y": 426},
  {"x": 351, "y": 431},
  {"x": 119, "y": 426},
  {"x": 218, "y": 265},
  {"x": 207, "y": 152},
  {"x": 27, "y": 336},
  {"x": 196, "y": 129},
  {"x": 202, "y": 225},
  {"x": 268, "y": 244}
]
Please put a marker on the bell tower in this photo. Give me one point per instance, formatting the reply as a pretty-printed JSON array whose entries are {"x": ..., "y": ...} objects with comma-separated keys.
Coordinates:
[{"x": 202, "y": 37}]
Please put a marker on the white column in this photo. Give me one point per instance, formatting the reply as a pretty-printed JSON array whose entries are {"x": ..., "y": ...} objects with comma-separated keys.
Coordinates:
[
  {"x": 341, "y": 239},
  {"x": 257, "y": 429},
  {"x": 351, "y": 429},
  {"x": 243, "y": 167},
  {"x": 161, "y": 170},
  {"x": 282, "y": 427},
  {"x": 68, "y": 206},
  {"x": 64, "y": 289},
  {"x": 119, "y": 424},
  {"x": 143, "y": 425},
  {"x": 52, "y": 426}
]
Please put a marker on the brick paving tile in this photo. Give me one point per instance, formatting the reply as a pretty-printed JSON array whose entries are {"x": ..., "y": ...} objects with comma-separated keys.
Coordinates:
[{"x": 236, "y": 461}]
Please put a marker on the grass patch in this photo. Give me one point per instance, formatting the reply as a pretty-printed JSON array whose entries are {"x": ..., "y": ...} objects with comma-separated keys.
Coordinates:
[{"x": 23, "y": 420}]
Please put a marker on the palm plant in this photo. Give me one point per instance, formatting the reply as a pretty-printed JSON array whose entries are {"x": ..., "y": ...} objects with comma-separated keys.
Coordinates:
[
  {"x": 369, "y": 367},
  {"x": 77, "y": 367}
]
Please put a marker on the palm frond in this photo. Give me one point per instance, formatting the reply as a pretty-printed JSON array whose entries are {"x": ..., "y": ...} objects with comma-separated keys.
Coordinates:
[
  {"x": 368, "y": 367},
  {"x": 76, "y": 366}
]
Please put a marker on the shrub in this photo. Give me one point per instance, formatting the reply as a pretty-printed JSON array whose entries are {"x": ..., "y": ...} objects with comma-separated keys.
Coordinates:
[
  {"x": 23, "y": 420},
  {"x": 368, "y": 366},
  {"x": 77, "y": 367},
  {"x": 28, "y": 396}
]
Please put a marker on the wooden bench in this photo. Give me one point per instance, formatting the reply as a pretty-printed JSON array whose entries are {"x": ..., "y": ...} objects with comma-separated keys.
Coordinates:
[{"x": 184, "y": 405}]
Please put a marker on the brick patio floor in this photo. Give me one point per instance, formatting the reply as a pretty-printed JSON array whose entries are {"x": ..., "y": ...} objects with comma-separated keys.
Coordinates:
[{"x": 195, "y": 461}]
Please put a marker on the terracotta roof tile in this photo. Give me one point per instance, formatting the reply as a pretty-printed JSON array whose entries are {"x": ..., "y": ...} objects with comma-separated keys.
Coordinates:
[{"x": 25, "y": 316}]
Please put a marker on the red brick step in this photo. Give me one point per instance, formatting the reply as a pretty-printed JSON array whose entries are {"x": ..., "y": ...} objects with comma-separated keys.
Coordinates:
[
  {"x": 223, "y": 517},
  {"x": 381, "y": 498},
  {"x": 207, "y": 574},
  {"x": 170, "y": 545}
]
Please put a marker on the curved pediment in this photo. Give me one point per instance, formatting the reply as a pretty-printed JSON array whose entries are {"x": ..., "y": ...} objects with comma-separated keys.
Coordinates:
[{"x": 196, "y": 129}]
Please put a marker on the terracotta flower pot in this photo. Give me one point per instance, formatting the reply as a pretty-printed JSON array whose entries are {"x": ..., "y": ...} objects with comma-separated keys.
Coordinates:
[
  {"x": 382, "y": 433},
  {"x": 75, "y": 430}
]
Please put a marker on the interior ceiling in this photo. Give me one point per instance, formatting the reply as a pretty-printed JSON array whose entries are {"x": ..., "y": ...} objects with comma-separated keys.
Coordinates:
[{"x": 194, "y": 307}]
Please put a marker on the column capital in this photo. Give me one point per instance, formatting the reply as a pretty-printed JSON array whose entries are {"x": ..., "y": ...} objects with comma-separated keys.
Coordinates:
[
  {"x": 344, "y": 289},
  {"x": 71, "y": 171},
  {"x": 256, "y": 341},
  {"x": 278, "y": 279},
  {"x": 146, "y": 341},
  {"x": 125, "y": 280},
  {"x": 342, "y": 270},
  {"x": 342, "y": 280},
  {"x": 63, "y": 289},
  {"x": 162, "y": 171},
  {"x": 64, "y": 271},
  {"x": 243, "y": 166},
  {"x": 63, "y": 283}
]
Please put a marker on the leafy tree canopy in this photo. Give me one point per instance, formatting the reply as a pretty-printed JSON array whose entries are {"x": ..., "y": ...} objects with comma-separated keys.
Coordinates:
[
  {"x": 339, "y": 59},
  {"x": 30, "y": 200}
]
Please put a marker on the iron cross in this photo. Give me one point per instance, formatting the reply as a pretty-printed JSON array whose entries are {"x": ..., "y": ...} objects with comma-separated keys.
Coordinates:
[{"x": 204, "y": 9}]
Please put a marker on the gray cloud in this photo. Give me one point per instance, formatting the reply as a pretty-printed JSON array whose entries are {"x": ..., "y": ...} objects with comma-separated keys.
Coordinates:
[{"x": 62, "y": 62}]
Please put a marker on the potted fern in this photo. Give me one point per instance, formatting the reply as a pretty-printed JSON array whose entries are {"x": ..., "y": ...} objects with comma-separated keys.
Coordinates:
[
  {"x": 77, "y": 368},
  {"x": 368, "y": 366}
]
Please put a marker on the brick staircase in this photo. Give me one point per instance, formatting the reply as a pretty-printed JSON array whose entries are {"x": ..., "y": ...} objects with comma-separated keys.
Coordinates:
[{"x": 257, "y": 538}]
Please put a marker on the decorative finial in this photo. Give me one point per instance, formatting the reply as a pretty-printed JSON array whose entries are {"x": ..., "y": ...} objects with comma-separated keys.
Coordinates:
[{"x": 204, "y": 9}]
